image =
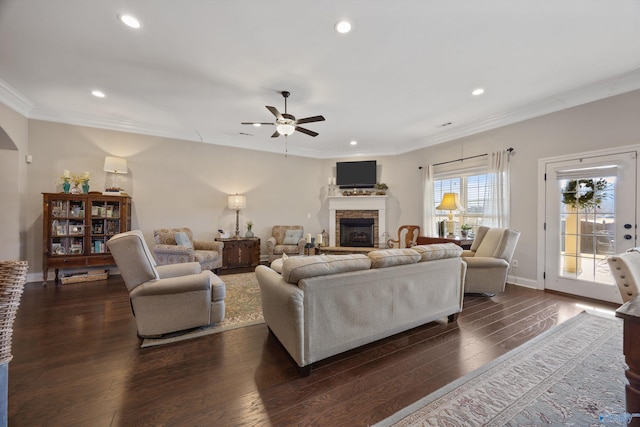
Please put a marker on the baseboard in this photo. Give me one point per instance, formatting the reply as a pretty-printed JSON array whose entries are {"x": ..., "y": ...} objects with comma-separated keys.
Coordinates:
[{"x": 527, "y": 283}]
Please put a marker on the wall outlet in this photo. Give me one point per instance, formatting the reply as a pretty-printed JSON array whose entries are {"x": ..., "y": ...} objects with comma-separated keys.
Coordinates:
[{"x": 514, "y": 263}]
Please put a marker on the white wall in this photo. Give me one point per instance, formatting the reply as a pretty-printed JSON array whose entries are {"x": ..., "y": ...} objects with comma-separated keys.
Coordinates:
[
  {"x": 179, "y": 183},
  {"x": 13, "y": 175}
]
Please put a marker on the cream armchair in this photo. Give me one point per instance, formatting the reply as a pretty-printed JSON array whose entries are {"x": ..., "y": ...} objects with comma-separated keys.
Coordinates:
[
  {"x": 488, "y": 260},
  {"x": 168, "y": 298},
  {"x": 287, "y": 239},
  {"x": 625, "y": 268},
  {"x": 169, "y": 251}
]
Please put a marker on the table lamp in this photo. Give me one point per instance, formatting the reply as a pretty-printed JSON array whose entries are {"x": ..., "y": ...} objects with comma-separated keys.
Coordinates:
[
  {"x": 450, "y": 202},
  {"x": 237, "y": 202},
  {"x": 115, "y": 165}
]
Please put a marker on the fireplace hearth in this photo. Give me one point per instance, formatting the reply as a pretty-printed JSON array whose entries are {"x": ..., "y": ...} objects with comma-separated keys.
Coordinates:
[{"x": 357, "y": 232}]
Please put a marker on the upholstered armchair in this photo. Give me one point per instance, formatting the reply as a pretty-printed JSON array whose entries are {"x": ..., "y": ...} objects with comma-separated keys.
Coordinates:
[
  {"x": 625, "y": 268},
  {"x": 286, "y": 239},
  {"x": 488, "y": 260},
  {"x": 176, "y": 245},
  {"x": 167, "y": 298}
]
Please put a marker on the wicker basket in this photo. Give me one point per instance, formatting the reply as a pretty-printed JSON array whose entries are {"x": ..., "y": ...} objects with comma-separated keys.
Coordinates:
[{"x": 13, "y": 276}]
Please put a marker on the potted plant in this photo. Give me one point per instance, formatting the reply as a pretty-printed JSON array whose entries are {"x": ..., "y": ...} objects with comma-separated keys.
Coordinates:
[
  {"x": 579, "y": 195},
  {"x": 249, "y": 233},
  {"x": 381, "y": 188},
  {"x": 464, "y": 230}
]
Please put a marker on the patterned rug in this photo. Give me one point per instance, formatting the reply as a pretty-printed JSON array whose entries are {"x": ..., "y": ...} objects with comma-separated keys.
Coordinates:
[
  {"x": 242, "y": 308},
  {"x": 571, "y": 375}
]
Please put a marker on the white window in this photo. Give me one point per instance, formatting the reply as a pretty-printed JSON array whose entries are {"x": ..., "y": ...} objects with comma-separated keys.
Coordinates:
[{"x": 470, "y": 187}]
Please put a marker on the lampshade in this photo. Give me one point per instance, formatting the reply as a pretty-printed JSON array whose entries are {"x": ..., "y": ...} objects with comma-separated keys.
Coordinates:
[
  {"x": 450, "y": 202},
  {"x": 285, "y": 129},
  {"x": 115, "y": 165},
  {"x": 237, "y": 201}
]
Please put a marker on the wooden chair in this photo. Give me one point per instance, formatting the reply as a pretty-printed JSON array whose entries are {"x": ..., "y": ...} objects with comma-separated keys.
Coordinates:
[{"x": 410, "y": 233}]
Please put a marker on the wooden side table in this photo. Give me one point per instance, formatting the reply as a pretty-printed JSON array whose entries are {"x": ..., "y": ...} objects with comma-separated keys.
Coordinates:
[
  {"x": 464, "y": 243},
  {"x": 630, "y": 313},
  {"x": 240, "y": 252}
]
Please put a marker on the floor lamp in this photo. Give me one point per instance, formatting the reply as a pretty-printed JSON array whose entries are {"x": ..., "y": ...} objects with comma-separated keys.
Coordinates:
[
  {"x": 237, "y": 202},
  {"x": 450, "y": 202}
]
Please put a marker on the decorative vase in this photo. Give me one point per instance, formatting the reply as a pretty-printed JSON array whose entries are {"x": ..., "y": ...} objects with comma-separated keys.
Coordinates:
[
  {"x": 76, "y": 190},
  {"x": 85, "y": 188},
  {"x": 249, "y": 233},
  {"x": 66, "y": 186}
]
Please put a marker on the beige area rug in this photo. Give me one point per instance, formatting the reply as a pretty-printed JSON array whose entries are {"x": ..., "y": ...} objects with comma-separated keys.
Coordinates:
[
  {"x": 571, "y": 375},
  {"x": 243, "y": 308}
]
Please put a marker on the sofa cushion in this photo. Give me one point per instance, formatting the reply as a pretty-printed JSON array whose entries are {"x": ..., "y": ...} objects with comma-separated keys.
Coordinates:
[
  {"x": 291, "y": 237},
  {"x": 438, "y": 251},
  {"x": 295, "y": 269},
  {"x": 182, "y": 239},
  {"x": 390, "y": 257}
]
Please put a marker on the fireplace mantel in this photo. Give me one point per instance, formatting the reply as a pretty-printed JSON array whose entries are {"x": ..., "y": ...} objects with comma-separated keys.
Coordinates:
[{"x": 357, "y": 203}]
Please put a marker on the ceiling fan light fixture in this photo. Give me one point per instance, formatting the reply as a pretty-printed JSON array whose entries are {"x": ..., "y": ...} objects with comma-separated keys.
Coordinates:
[{"x": 285, "y": 129}]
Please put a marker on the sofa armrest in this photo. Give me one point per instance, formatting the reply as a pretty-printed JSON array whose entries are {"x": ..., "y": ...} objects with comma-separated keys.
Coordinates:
[
  {"x": 174, "y": 285},
  {"x": 485, "y": 262},
  {"x": 283, "y": 310},
  {"x": 301, "y": 244},
  {"x": 271, "y": 243},
  {"x": 203, "y": 245},
  {"x": 176, "y": 270},
  {"x": 467, "y": 253}
]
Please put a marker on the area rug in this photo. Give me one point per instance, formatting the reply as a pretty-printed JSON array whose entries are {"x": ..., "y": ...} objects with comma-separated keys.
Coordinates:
[
  {"x": 572, "y": 374},
  {"x": 242, "y": 305}
]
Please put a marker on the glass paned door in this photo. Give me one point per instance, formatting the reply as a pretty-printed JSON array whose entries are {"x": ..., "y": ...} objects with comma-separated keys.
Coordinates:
[{"x": 590, "y": 214}]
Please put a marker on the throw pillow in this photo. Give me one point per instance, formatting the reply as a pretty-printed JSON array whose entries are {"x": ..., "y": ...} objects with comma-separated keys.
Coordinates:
[
  {"x": 183, "y": 240},
  {"x": 291, "y": 237}
]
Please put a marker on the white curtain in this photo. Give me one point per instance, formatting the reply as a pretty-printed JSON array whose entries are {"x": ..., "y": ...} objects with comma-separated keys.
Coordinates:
[
  {"x": 496, "y": 197},
  {"x": 429, "y": 213}
]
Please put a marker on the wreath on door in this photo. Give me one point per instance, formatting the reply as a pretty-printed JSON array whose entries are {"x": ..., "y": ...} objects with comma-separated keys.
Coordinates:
[{"x": 585, "y": 193}]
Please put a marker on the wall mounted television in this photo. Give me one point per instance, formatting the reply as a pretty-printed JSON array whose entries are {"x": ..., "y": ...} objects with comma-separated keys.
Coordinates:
[{"x": 356, "y": 174}]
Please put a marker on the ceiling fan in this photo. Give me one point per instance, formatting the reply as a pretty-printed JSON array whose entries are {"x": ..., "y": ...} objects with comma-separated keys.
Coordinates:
[{"x": 286, "y": 123}]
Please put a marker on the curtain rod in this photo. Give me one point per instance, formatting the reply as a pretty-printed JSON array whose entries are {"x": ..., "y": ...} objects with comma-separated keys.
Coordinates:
[{"x": 509, "y": 150}]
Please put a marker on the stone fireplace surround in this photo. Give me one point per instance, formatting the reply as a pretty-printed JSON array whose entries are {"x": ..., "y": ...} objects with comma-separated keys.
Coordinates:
[{"x": 374, "y": 207}]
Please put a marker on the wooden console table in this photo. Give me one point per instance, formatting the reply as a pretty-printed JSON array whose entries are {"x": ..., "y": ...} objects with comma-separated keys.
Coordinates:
[
  {"x": 240, "y": 253},
  {"x": 630, "y": 313}
]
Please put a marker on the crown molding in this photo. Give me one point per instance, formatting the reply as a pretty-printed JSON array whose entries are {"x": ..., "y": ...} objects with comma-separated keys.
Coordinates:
[{"x": 14, "y": 99}]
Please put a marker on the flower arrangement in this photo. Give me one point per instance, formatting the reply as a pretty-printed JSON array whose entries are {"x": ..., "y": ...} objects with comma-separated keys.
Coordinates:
[
  {"x": 249, "y": 225},
  {"x": 465, "y": 227},
  {"x": 80, "y": 179}
]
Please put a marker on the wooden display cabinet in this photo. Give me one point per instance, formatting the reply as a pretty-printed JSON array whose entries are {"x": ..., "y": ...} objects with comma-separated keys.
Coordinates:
[
  {"x": 76, "y": 228},
  {"x": 240, "y": 252}
]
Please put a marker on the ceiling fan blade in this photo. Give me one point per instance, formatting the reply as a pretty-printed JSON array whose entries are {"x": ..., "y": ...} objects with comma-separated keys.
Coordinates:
[
  {"x": 256, "y": 123},
  {"x": 275, "y": 112},
  {"x": 310, "y": 119},
  {"x": 307, "y": 131},
  {"x": 275, "y": 134}
]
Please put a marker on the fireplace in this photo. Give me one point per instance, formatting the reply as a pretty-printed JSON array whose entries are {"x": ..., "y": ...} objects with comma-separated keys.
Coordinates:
[
  {"x": 356, "y": 232},
  {"x": 357, "y": 207}
]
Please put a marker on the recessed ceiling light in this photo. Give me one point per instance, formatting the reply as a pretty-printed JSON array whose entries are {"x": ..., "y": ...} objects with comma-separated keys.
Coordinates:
[
  {"x": 478, "y": 91},
  {"x": 129, "y": 21},
  {"x": 354, "y": 143},
  {"x": 98, "y": 93},
  {"x": 343, "y": 27}
]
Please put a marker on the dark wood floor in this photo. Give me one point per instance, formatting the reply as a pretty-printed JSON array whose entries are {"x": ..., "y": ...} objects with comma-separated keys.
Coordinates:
[{"x": 77, "y": 362}]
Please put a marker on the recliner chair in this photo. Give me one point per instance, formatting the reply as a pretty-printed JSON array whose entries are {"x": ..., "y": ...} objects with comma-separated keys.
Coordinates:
[
  {"x": 488, "y": 260},
  {"x": 167, "y": 298}
]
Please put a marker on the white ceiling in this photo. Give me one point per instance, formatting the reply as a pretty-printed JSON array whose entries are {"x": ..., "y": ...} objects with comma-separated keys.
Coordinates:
[{"x": 197, "y": 68}]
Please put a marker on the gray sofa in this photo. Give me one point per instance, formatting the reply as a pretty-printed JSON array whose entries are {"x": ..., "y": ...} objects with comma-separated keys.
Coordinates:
[{"x": 323, "y": 305}]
